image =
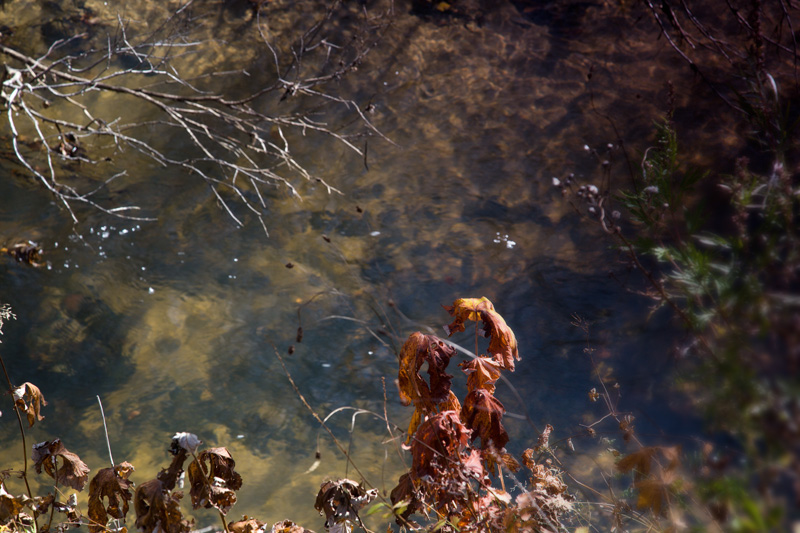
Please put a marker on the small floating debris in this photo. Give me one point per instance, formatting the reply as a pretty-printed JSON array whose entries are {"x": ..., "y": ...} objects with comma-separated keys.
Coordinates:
[{"x": 25, "y": 252}]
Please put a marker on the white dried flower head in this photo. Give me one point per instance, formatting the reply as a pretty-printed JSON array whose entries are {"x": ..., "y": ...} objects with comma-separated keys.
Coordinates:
[
  {"x": 653, "y": 189},
  {"x": 593, "y": 189},
  {"x": 187, "y": 441},
  {"x": 556, "y": 182}
]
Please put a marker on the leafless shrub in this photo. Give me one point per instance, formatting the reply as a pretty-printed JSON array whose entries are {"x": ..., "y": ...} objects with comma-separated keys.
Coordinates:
[{"x": 74, "y": 109}]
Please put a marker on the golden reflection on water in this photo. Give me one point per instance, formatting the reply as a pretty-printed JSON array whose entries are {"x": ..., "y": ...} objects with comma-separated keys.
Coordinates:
[{"x": 483, "y": 115}]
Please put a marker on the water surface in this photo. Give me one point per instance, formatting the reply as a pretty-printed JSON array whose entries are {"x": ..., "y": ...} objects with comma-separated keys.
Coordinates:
[{"x": 175, "y": 323}]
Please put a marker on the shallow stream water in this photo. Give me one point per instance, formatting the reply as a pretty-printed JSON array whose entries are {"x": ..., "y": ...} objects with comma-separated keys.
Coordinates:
[{"x": 173, "y": 322}]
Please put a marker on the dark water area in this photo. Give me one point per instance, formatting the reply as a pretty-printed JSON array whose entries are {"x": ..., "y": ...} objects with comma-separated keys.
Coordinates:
[{"x": 172, "y": 322}]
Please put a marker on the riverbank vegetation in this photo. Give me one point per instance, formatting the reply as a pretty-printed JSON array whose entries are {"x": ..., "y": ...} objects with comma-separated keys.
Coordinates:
[{"x": 719, "y": 248}]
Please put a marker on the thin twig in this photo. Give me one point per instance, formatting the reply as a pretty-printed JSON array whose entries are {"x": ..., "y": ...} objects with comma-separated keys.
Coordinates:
[{"x": 105, "y": 429}]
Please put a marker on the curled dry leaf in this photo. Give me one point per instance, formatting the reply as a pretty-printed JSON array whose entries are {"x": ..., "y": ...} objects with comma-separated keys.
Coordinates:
[
  {"x": 110, "y": 484},
  {"x": 29, "y": 399},
  {"x": 247, "y": 525},
  {"x": 406, "y": 491},
  {"x": 213, "y": 480},
  {"x": 341, "y": 501},
  {"x": 450, "y": 404},
  {"x": 287, "y": 526},
  {"x": 41, "y": 504},
  {"x": 417, "y": 350},
  {"x": 483, "y": 414},
  {"x": 503, "y": 343},
  {"x": 440, "y": 435},
  {"x": 482, "y": 373},
  {"x": 73, "y": 471},
  {"x": 70, "y": 509},
  {"x": 158, "y": 510},
  {"x": 528, "y": 459},
  {"x": 10, "y": 506},
  {"x": 541, "y": 508},
  {"x": 421, "y": 411}
]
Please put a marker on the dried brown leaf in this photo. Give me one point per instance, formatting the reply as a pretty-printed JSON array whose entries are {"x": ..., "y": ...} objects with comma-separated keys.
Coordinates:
[
  {"x": 416, "y": 420},
  {"x": 10, "y": 506},
  {"x": 287, "y": 526},
  {"x": 111, "y": 484},
  {"x": 406, "y": 491},
  {"x": 247, "y": 525},
  {"x": 503, "y": 342},
  {"x": 214, "y": 480},
  {"x": 157, "y": 509},
  {"x": 29, "y": 399},
  {"x": 450, "y": 404},
  {"x": 440, "y": 435},
  {"x": 342, "y": 500},
  {"x": 417, "y": 350},
  {"x": 528, "y": 459},
  {"x": 73, "y": 472},
  {"x": 482, "y": 373},
  {"x": 483, "y": 414}
]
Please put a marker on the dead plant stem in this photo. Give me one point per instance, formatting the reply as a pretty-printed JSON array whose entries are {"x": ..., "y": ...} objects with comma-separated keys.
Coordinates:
[{"x": 21, "y": 432}]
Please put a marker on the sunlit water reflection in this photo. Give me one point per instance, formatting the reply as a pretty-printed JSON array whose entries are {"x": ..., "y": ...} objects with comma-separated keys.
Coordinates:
[{"x": 173, "y": 322}]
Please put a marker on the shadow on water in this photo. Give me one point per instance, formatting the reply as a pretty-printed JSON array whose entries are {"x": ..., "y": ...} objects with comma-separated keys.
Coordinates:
[{"x": 172, "y": 322}]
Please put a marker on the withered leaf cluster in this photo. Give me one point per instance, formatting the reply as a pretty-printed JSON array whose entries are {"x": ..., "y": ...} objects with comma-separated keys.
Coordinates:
[
  {"x": 213, "y": 480},
  {"x": 341, "y": 501},
  {"x": 447, "y": 474},
  {"x": 158, "y": 509},
  {"x": 112, "y": 485},
  {"x": 247, "y": 525},
  {"x": 11, "y": 506},
  {"x": 483, "y": 413},
  {"x": 540, "y": 508},
  {"x": 426, "y": 396},
  {"x": 157, "y": 504},
  {"x": 502, "y": 343}
]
